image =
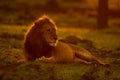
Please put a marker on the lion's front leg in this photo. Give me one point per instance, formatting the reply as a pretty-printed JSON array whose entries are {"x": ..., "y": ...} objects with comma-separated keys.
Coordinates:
[{"x": 47, "y": 60}]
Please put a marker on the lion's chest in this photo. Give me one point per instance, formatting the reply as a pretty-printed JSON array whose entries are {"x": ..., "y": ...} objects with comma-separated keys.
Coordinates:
[{"x": 63, "y": 53}]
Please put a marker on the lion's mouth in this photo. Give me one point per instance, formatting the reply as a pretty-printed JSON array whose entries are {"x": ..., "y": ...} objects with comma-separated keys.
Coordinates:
[{"x": 54, "y": 44}]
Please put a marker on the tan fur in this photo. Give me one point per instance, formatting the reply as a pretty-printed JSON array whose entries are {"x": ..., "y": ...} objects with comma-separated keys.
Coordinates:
[
  {"x": 65, "y": 53},
  {"x": 38, "y": 46}
]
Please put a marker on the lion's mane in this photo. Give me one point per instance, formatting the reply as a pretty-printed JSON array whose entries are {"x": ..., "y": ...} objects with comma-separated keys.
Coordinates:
[{"x": 34, "y": 44}]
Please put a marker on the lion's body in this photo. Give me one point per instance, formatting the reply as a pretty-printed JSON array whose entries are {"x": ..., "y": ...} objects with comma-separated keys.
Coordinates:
[
  {"x": 65, "y": 53},
  {"x": 41, "y": 43}
]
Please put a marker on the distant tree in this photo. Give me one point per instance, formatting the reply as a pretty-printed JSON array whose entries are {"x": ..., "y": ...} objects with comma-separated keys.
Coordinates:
[{"x": 102, "y": 14}]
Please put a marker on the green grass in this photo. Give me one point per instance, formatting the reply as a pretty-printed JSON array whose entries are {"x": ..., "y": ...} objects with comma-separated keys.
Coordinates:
[
  {"x": 105, "y": 38},
  {"x": 102, "y": 38},
  {"x": 107, "y": 49}
]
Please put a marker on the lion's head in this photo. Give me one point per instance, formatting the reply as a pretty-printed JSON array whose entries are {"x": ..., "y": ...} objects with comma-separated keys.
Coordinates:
[
  {"x": 40, "y": 38},
  {"x": 46, "y": 28}
]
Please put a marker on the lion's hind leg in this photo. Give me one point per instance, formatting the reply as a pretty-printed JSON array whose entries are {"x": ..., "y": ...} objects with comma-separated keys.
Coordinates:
[
  {"x": 84, "y": 56},
  {"x": 96, "y": 61},
  {"x": 47, "y": 60},
  {"x": 78, "y": 60}
]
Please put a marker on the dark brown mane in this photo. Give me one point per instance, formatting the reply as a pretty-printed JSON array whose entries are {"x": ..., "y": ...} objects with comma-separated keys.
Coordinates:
[{"x": 34, "y": 45}]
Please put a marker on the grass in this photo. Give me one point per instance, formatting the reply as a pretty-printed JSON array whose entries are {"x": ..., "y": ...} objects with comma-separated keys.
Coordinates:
[
  {"x": 107, "y": 49},
  {"x": 102, "y": 38}
]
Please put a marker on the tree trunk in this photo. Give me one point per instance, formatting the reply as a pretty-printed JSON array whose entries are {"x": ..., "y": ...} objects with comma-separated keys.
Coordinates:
[{"x": 103, "y": 14}]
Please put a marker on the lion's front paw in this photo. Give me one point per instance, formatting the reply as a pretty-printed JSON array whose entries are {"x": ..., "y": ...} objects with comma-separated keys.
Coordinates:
[{"x": 41, "y": 58}]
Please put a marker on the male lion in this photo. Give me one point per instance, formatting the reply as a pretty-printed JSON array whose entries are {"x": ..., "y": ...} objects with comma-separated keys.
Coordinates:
[
  {"x": 40, "y": 38},
  {"x": 41, "y": 43}
]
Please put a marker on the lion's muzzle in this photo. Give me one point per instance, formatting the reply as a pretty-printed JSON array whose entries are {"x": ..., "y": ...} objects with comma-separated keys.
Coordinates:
[{"x": 53, "y": 44}]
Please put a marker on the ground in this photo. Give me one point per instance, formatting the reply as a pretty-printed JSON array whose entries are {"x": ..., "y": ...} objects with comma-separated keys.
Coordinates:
[{"x": 104, "y": 44}]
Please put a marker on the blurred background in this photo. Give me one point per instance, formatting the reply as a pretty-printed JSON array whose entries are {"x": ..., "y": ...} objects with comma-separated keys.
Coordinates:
[
  {"x": 66, "y": 13},
  {"x": 91, "y": 24}
]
